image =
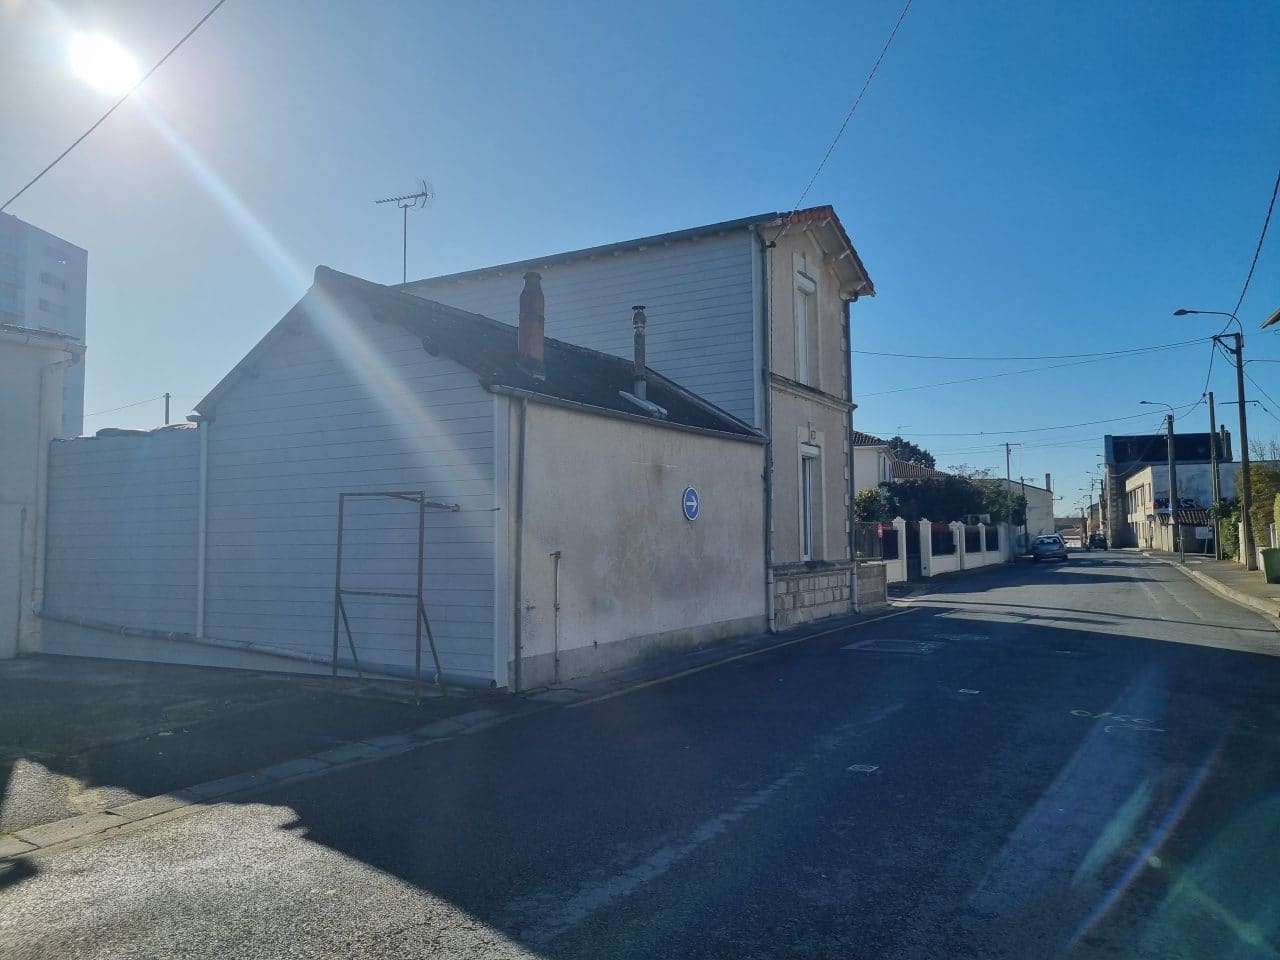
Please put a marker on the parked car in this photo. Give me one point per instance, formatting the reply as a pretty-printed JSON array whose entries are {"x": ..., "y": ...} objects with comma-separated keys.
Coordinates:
[
  {"x": 1097, "y": 541},
  {"x": 1048, "y": 547}
]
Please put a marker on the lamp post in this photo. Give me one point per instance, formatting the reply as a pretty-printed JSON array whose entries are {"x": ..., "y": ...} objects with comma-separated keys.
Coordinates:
[
  {"x": 1246, "y": 485},
  {"x": 1173, "y": 483}
]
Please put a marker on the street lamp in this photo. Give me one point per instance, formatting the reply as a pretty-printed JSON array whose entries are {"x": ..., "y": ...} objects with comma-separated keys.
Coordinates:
[
  {"x": 1173, "y": 482},
  {"x": 1246, "y": 486}
]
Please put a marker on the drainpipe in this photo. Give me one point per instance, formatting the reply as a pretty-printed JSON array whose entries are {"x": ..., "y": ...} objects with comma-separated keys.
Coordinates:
[
  {"x": 766, "y": 315},
  {"x": 202, "y": 522},
  {"x": 517, "y": 597},
  {"x": 555, "y": 557},
  {"x": 848, "y": 444},
  {"x": 43, "y": 438}
]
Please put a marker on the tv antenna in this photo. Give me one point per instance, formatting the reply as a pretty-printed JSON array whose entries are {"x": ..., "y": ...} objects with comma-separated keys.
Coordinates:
[{"x": 407, "y": 202}]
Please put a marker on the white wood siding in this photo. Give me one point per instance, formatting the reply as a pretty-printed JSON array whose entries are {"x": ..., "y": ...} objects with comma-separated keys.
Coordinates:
[
  {"x": 698, "y": 296},
  {"x": 122, "y": 529},
  {"x": 315, "y": 422}
]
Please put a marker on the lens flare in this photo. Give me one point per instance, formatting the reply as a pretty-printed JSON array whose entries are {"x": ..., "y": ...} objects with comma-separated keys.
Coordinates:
[{"x": 103, "y": 64}]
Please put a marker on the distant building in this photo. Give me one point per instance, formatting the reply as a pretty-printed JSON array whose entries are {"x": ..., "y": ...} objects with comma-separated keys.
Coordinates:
[
  {"x": 42, "y": 286},
  {"x": 1125, "y": 456},
  {"x": 1147, "y": 504}
]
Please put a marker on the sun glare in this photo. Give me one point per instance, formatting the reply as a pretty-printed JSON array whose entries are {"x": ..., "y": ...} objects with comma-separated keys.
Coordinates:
[{"x": 102, "y": 63}]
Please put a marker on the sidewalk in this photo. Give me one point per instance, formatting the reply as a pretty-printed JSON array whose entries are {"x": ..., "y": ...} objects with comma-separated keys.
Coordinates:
[
  {"x": 1228, "y": 579},
  {"x": 80, "y": 737}
]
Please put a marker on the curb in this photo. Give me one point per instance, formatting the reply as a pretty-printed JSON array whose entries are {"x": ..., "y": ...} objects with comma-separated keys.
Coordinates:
[
  {"x": 352, "y": 753},
  {"x": 79, "y": 829},
  {"x": 1268, "y": 608}
]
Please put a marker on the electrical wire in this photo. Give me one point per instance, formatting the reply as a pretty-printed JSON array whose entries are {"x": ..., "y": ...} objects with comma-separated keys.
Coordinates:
[
  {"x": 1274, "y": 402},
  {"x": 1015, "y": 373},
  {"x": 1048, "y": 356},
  {"x": 136, "y": 403},
  {"x": 1258, "y": 249},
  {"x": 112, "y": 109},
  {"x": 849, "y": 116}
]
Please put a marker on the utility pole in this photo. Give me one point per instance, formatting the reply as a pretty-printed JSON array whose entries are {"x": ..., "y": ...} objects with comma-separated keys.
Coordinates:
[
  {"x": 166, "y": 409},
  {"x": 1173, "y": 493},
  {"x": 1246, "y": 485},
  {"x": 1216, "y": 493},
  {"x": 407, "y": 202},
  {"x": 1026, "y": 530},
  {"x": 1008, "y": 495}
]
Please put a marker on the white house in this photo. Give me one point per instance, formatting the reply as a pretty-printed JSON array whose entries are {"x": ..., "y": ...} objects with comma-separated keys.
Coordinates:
[
  {"x": 754, "y": 315},
  {"x": 32, "y": 365},
  {"x": 584, "y": 508}
]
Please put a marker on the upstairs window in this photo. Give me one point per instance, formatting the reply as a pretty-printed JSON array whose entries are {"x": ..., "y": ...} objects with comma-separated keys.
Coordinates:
[{"x": 806, "y": 300}]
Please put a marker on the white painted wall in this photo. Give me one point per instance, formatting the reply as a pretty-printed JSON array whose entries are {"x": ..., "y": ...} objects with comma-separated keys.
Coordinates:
[
  {"x": 31, "y": 390},
  {"x": 122, "y": 529},
  {"x": 634, "y": 573},
  {"x": 346, "y": 405},
  {"x": 698, "y": 295}
]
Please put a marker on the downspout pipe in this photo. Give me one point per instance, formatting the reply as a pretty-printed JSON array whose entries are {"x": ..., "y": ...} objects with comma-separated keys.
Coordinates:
[
  {"x": 517, "y": 588},
  {"x": 203, "y": 425},
  {"x": 850, "y": 513},
  {"x": 766, "y": 385}
]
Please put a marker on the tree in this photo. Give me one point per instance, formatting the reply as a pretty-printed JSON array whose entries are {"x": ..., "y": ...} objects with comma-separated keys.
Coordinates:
[
  {"x": 870, "y": 506},
  {"x": 910, "y": 453}
]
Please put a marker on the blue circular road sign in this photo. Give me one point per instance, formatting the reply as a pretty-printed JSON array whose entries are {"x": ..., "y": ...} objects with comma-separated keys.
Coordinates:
[{"x": 691, "y": 503}]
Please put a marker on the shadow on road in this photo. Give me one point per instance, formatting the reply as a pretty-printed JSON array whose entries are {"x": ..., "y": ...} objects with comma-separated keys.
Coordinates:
[{"x": 1010, "y": 788}]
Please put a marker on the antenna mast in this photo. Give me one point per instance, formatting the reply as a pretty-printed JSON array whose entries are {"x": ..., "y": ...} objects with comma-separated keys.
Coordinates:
[{"x": 407, "y": 202}]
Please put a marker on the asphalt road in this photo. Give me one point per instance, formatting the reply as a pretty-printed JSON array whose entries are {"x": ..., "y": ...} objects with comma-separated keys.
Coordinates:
[{"x": 1066, "y": 760}]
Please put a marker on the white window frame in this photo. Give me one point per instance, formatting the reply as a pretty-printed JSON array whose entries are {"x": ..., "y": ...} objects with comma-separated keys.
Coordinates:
[
  {"x": 806, "y": 303},
  {"x": 810, "y": 500}
]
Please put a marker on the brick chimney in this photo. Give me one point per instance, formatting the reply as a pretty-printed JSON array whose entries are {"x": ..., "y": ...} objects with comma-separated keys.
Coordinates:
[{"x": 532, "y": 321}]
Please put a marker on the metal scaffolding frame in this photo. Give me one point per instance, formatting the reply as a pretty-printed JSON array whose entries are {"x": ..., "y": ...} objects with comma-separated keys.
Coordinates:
[{"x": 420, "y": 621}]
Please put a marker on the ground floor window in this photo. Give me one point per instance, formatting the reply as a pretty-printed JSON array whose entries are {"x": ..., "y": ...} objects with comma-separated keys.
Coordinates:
[{"x": 810, "y": 491}]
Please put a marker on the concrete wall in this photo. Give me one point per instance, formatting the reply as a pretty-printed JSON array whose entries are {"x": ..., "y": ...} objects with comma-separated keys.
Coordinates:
[
  {"x": 635, "y": 575},
  {"x": 872, "y": 585},
  {"x": 26, "y": 425},
  {"x": 122, "y": 529},
  {"x": 796, "y": 252},
  {"x": 796, "y": 420},
  {"x": 699, "y": 298},
  {"x": 803, "y": 593}
]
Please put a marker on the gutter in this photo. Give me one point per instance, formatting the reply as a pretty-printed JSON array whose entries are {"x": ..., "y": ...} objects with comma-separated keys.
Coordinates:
[
  {"x": 387, "y": 671},
  {"x": 522, "y": 394}
]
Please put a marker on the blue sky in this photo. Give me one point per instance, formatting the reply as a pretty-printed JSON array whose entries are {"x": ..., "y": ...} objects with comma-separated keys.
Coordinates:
[{"x": 1021, "y": 179}]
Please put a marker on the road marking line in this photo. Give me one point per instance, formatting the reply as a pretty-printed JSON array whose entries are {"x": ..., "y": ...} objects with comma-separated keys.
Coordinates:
[{"x": 739, "y": 656}]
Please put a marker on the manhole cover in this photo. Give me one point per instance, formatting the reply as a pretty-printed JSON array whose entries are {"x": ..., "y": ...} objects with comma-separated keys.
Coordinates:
[{"x": 914, "y": 647}]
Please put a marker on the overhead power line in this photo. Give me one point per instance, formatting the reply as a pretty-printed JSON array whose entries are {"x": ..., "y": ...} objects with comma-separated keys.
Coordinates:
[
  {"x": 112, "y": 109},
  {"x": 136, "y": 403},
  {"x": 1015, "y": 373},
  {"x": 1261, "y": 237},
  {"x": 1063, "y": 426},
  {"x": 849, "y": 116},
  {"x": 1047, "y": 356}
]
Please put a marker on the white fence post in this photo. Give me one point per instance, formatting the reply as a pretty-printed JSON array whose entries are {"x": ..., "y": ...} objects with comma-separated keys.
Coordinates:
[
  {"x": 924, "y": 529},
  {"x": 957, "y": 535}
]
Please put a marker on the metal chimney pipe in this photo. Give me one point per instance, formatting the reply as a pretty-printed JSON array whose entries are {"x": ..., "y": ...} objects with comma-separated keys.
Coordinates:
[
  {"x": 1048, "y": 485},
  {"x": 638, "y": 321},
  {"x": 532, "y": 323}
]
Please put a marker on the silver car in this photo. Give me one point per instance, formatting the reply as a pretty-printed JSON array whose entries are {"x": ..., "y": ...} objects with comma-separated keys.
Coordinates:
[{"x": 1048, "y": 547}]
